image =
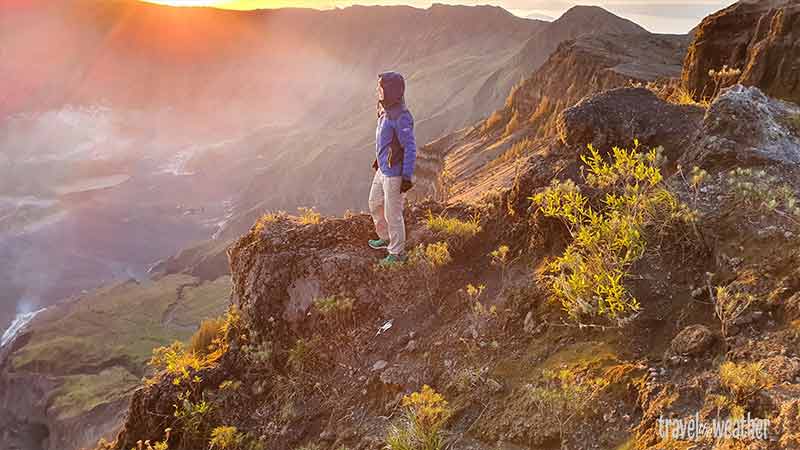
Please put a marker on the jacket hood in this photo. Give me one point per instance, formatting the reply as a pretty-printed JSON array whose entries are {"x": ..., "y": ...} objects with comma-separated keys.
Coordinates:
[{"x": 394, "y": 89}]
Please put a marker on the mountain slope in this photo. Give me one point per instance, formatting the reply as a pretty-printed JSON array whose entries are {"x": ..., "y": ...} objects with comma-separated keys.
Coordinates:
[
  {"x": 202, "y": 113},
  {"x": 577, "y": 21},
  {"x": 480, "y": 159}
]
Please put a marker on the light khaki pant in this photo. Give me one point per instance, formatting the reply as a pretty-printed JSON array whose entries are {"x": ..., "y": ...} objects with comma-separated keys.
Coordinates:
[{"x": 386, "y": 206}]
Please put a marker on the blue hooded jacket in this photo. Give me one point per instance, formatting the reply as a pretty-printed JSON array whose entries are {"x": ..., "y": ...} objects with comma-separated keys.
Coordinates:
[{"x": 394, "y": 138}]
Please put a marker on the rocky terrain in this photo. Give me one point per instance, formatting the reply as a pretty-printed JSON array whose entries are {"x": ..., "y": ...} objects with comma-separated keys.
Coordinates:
[
  {"x": 113, "y": 102},
  {"x": 757, "y": 38},
  {"x": 322, "y": 348}
]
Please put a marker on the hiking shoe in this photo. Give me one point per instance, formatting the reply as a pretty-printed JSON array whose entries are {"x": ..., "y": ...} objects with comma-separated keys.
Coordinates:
[
  {"x": 392, "y": 260},
  {"x": 378, "y": 244}
]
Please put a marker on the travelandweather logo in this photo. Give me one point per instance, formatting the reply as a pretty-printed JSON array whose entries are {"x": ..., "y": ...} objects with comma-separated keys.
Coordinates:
[{"x": 695, "y": 429}]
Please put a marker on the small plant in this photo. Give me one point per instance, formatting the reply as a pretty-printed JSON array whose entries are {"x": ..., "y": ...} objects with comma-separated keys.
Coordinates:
[
  {"x": 432, "y": 256},
  {"x": 588, "y": 279},
  {"x": 309, "y": 216},
  {"x": 203, "y": 338},
  {"x": 446, "y": 182},
  {"x": 193, "y": 418},
  {"x": 500, "y": 258},
  {"x": 266, "y": 219},
  {"x": 564, "y": 397},
  {"x": 333, "y": 305},
  {"x": 226, "y": 438},
  {"x": 744, "y": 381},
  {"x": 755, "y": 193},
  {"x": 303, "y": 355},
  {"x": 451, "y": 226},
  {"x": 722, "y": 78},
  {"x": 159, "y": 445},
  {"x": 421, "y": 427},
  {"x": 177, "y": 362},
  {"x": 181, "y": 363},
  {"x": 729, "y": 305},
  {"x": 336, "y": 310}
]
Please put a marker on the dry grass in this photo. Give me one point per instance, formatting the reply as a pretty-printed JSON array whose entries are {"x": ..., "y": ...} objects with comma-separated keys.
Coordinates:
[
  {"x": 309, "y": 216},
  {"x": 266, "y": 219},
  {"x": 452, "y": 226},
  {"x": 493, "y": 121}
]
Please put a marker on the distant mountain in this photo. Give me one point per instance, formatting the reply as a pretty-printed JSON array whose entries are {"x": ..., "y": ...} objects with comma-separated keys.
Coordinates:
[
  {"x": 578, "y": 21},
  {"x": 199, "y": 113},
  {"x": 538, "y": 16}
]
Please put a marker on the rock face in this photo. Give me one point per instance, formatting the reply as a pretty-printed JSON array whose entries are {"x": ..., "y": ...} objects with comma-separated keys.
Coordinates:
[
  {"x": 745, "y": 127},
  {"x": 617, "y": 117},
  {"x": 760, "y": 37},
  {"x": 576, "y": 22}
]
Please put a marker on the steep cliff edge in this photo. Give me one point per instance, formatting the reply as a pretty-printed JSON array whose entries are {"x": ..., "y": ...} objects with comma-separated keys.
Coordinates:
[
  {"x": 760, "y": 38},
  {"x": 328, "y": 343}
]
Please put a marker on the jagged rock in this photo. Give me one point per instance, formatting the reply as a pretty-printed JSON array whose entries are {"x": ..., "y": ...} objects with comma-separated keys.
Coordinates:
[
  {"x": 617, "y": 117},
  {"x": 760, "y": 37},
  {"x": 692, "y": 340},
  {"x": 745, "y": 127},
  {"x": 279, "y": 273}
]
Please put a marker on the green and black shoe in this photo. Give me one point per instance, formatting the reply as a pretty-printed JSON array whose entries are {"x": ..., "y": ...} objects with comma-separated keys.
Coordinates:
[
  {"x": 392, "y": 260},
  {"x": 378, "y": 244}
]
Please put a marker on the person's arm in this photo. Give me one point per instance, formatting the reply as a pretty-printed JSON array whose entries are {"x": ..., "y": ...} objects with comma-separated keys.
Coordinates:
[{"x": 405, "y": 134}]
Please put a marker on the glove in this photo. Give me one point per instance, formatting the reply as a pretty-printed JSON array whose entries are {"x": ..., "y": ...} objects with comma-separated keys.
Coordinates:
[
  {"x": 375, "y": 165},
  {"x": 406, "y": 186}
]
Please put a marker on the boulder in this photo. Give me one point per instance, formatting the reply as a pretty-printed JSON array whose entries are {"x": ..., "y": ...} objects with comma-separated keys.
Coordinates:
[
  {"x": 759, "y": 37},
  {"x": 618, "y": 116},
  {"x": 744, "y": 127},
  {"x": 692, "y": 340}
]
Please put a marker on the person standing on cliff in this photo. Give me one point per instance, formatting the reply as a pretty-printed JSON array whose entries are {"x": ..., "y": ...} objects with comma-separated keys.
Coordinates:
[{"x": 396, "y": 150}]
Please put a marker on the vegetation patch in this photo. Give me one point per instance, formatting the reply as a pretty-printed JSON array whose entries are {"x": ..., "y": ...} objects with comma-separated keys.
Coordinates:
[
  {"x": 588, "y": 280},
  {"x": 421, "y": 427},
  {"x": 451, "y": 226}
]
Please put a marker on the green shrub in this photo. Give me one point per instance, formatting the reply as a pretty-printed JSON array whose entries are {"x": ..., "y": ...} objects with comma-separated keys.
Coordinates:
[
  {"x": 226, "y": 438},
  {"x": 589, "y": 278},
  {"x": 432, "y": 256},
  {"x": 421, "y": 428},
  {"x": 193, "y": 418}
]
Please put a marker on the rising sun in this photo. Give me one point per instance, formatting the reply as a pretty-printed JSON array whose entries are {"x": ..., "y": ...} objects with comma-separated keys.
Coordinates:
[{"x": 247, "y": 4}]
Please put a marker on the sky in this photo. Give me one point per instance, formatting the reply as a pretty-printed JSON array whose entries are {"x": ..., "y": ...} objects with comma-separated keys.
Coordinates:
[{"x": 659, "y": 16}]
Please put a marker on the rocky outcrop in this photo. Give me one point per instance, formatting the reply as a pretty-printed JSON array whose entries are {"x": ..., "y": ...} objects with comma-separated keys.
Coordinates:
[
  {"x": 759, "y": 37},
  {"x": 620, "y": 116},
  {"x": 744, "y": 127}
]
